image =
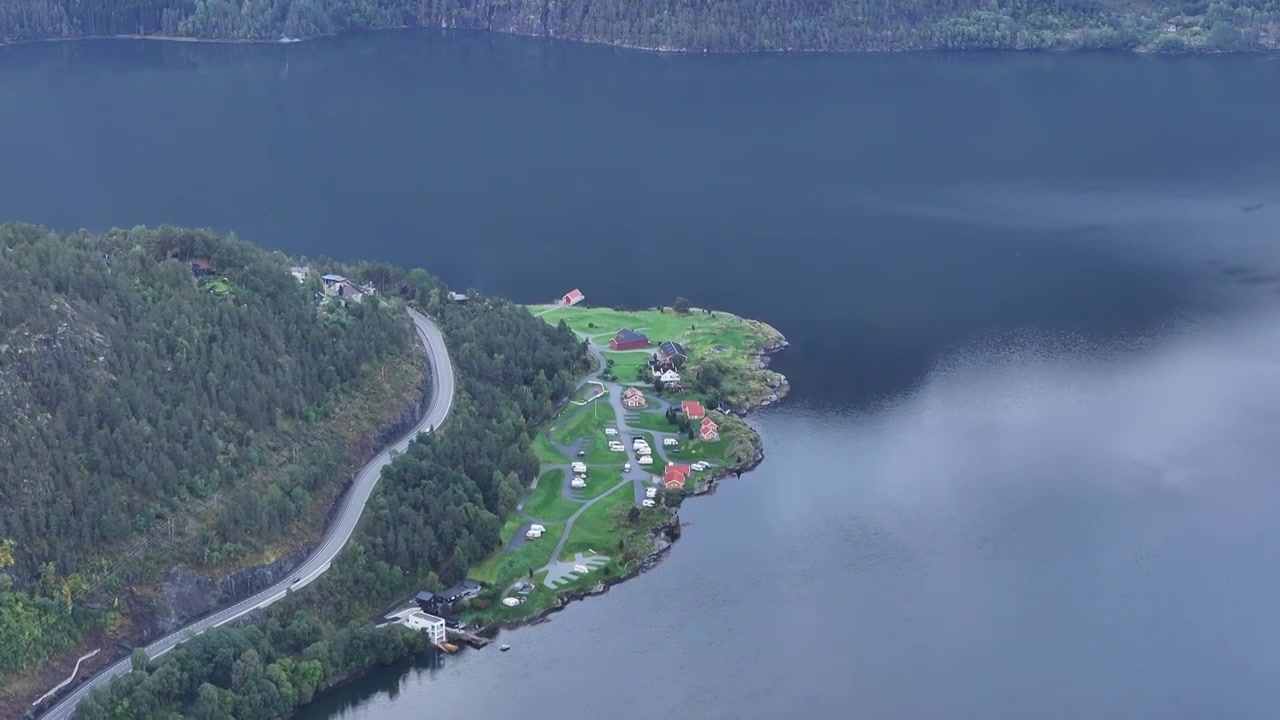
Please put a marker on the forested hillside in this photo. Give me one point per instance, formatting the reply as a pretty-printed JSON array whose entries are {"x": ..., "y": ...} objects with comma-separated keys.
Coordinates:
[
  {"x": 131, "y": 390},
  {"x": 715, "y": 25},
  {"x": 437, "y": 510}
]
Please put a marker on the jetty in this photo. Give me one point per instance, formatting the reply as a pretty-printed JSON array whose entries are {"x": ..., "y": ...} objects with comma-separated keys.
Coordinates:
[{"x": 469, "y": 637}]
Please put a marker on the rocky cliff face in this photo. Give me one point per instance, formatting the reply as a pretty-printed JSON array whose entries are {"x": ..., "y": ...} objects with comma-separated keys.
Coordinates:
[{"x": 185, "y": 595}]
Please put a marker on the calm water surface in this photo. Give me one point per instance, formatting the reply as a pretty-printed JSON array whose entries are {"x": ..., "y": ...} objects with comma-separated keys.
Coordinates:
[{"x": 1027, "y": 469}]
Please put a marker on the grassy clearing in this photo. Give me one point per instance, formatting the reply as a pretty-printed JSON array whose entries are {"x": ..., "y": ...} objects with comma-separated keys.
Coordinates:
[
  {"x": 546, "y": 502},
  {"x": 589, "y": 390},
  {"x": 501, "y": 569},
  {"x": 607, "y": 528},
  {"x": 631, "y": 366},
  {"x": 581, "y": 422},
  {"x": 728, "y": 342},
  {"x": 737, "y": 443},
  {"x": 546, "y": 452},
  {"x": 217, "y": 286},
  {"x": 589, "y": 422},
  {"x": 650, "y": 420},
  {"x": 601, "y": 480}
]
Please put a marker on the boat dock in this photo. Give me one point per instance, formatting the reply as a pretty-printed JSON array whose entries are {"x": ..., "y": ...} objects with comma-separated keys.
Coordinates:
[{"x": 469, "y": 638}]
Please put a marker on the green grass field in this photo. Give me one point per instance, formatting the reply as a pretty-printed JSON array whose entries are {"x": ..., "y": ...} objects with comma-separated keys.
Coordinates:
[
  {"x": 721, "y": 338},
  {"x": 217, "y": 286},
  {"x": 546, "y": 502},
  {"x": 588, "y": 390},
  {"x": 626, "y": 364},
  {"x": 696, "y": 330},
  {"x": 595, "y": 528},
  {"x": 649, "y": 420},
  {"x": 546, "y": 452},
  {"x": 589, "y": 422},
  {"x": 501, "y": 569}
]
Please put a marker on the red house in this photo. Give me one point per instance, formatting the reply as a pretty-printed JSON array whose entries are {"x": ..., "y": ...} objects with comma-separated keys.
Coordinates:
[
  {"x": 693, "y": 409},
  {"x": 573, "y": 297},
  {"x": 673, "y": 478},
  {"x": 628, "y": 339},
  {"x": 710, "y": 431}
]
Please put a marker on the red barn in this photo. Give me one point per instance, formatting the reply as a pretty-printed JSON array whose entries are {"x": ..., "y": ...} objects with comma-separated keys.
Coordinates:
[
  {"x": 710, "y": 431},
  {"x": 628, "y": 339},
  {"x": 573, "y": 297},
  {"x": 693, "y": 409}
]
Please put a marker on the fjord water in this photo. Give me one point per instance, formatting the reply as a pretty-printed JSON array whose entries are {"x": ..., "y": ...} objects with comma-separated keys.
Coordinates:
[{"x": 1027, "y": 467}]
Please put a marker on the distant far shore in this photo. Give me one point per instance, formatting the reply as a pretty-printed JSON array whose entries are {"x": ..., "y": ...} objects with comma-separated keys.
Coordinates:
[{"x": 659, "y": 49}]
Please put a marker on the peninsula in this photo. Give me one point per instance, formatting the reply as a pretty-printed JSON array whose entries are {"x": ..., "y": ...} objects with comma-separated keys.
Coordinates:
[{"x": 654, "y": 421}]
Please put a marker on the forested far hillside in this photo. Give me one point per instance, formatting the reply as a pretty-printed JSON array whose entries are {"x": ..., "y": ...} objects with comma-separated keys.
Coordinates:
[
  {"x": 715, "y": 25},
  {"x": 130, "y": 387}
]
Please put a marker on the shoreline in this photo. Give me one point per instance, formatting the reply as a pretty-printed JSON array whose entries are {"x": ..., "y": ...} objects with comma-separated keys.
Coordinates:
[{"x": 661, "y": 50}]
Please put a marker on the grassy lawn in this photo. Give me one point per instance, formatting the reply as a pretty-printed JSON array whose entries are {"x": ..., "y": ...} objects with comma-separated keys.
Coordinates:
[
  {"x": 218, "y": 286},
  {"x": 546, "y": 502},
  {"x": 696, "y": 330},
  {"x": 606, "y": 525},
  {"x": 626, "y": 365},
  {"x": 589, "y": 422},
  {"x": 594, "y": 529},
  {"x": 501, "y": 569},
  {"x": 719, "y": 338},
  {"x": 737, "y": 443},
  {"x": 601, "y": 481},
  {"x": 586, "y": 391},
  {"x": 581, "y": 422},
  {"x": 649, "y": 420},
  {"x": 546, "y": 452}
]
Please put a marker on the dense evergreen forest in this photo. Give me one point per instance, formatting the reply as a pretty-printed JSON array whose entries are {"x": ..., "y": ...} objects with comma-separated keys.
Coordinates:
[
  {"x": 132, "y": 389},
  {"x": 715, "y": 25},
  {"x": 437, "y": 511}
]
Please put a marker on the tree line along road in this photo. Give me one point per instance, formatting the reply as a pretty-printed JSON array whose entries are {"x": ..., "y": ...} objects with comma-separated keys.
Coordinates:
[{"x": 335, "y": 538}]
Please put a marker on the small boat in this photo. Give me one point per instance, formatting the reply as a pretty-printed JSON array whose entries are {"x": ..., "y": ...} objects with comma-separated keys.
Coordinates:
[{"x": 505, "y": 648}]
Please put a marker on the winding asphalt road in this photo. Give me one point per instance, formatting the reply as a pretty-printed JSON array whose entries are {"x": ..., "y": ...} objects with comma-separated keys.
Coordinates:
[{"x": 335, "y": 537}]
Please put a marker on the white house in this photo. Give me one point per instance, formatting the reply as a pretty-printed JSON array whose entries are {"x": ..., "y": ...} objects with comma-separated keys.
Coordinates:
[
  {"x": 670, "y": 377},
  {"x": 430, "y": 624}
]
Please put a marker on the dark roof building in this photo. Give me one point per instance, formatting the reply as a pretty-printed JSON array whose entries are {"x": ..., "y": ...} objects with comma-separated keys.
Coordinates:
[
  {"x": 673, "y": 351},
  {"x": 464, "y": 589},
  {"x": 628, "y": 339},
  {"x": 426, "y": 601}
]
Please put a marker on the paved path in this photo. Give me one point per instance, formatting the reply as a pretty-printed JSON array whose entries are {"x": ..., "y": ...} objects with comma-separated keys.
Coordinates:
[
  {"x": 335, "y": 537},
  {"x": 562, "y": 573}
]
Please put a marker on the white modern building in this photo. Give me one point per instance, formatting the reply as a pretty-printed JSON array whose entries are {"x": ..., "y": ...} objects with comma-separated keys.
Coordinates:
[{"x": 430, "y": 624}]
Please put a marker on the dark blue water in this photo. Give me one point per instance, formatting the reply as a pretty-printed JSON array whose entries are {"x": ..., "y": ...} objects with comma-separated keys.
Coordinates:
[{"x": 1027, "y": 468}]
